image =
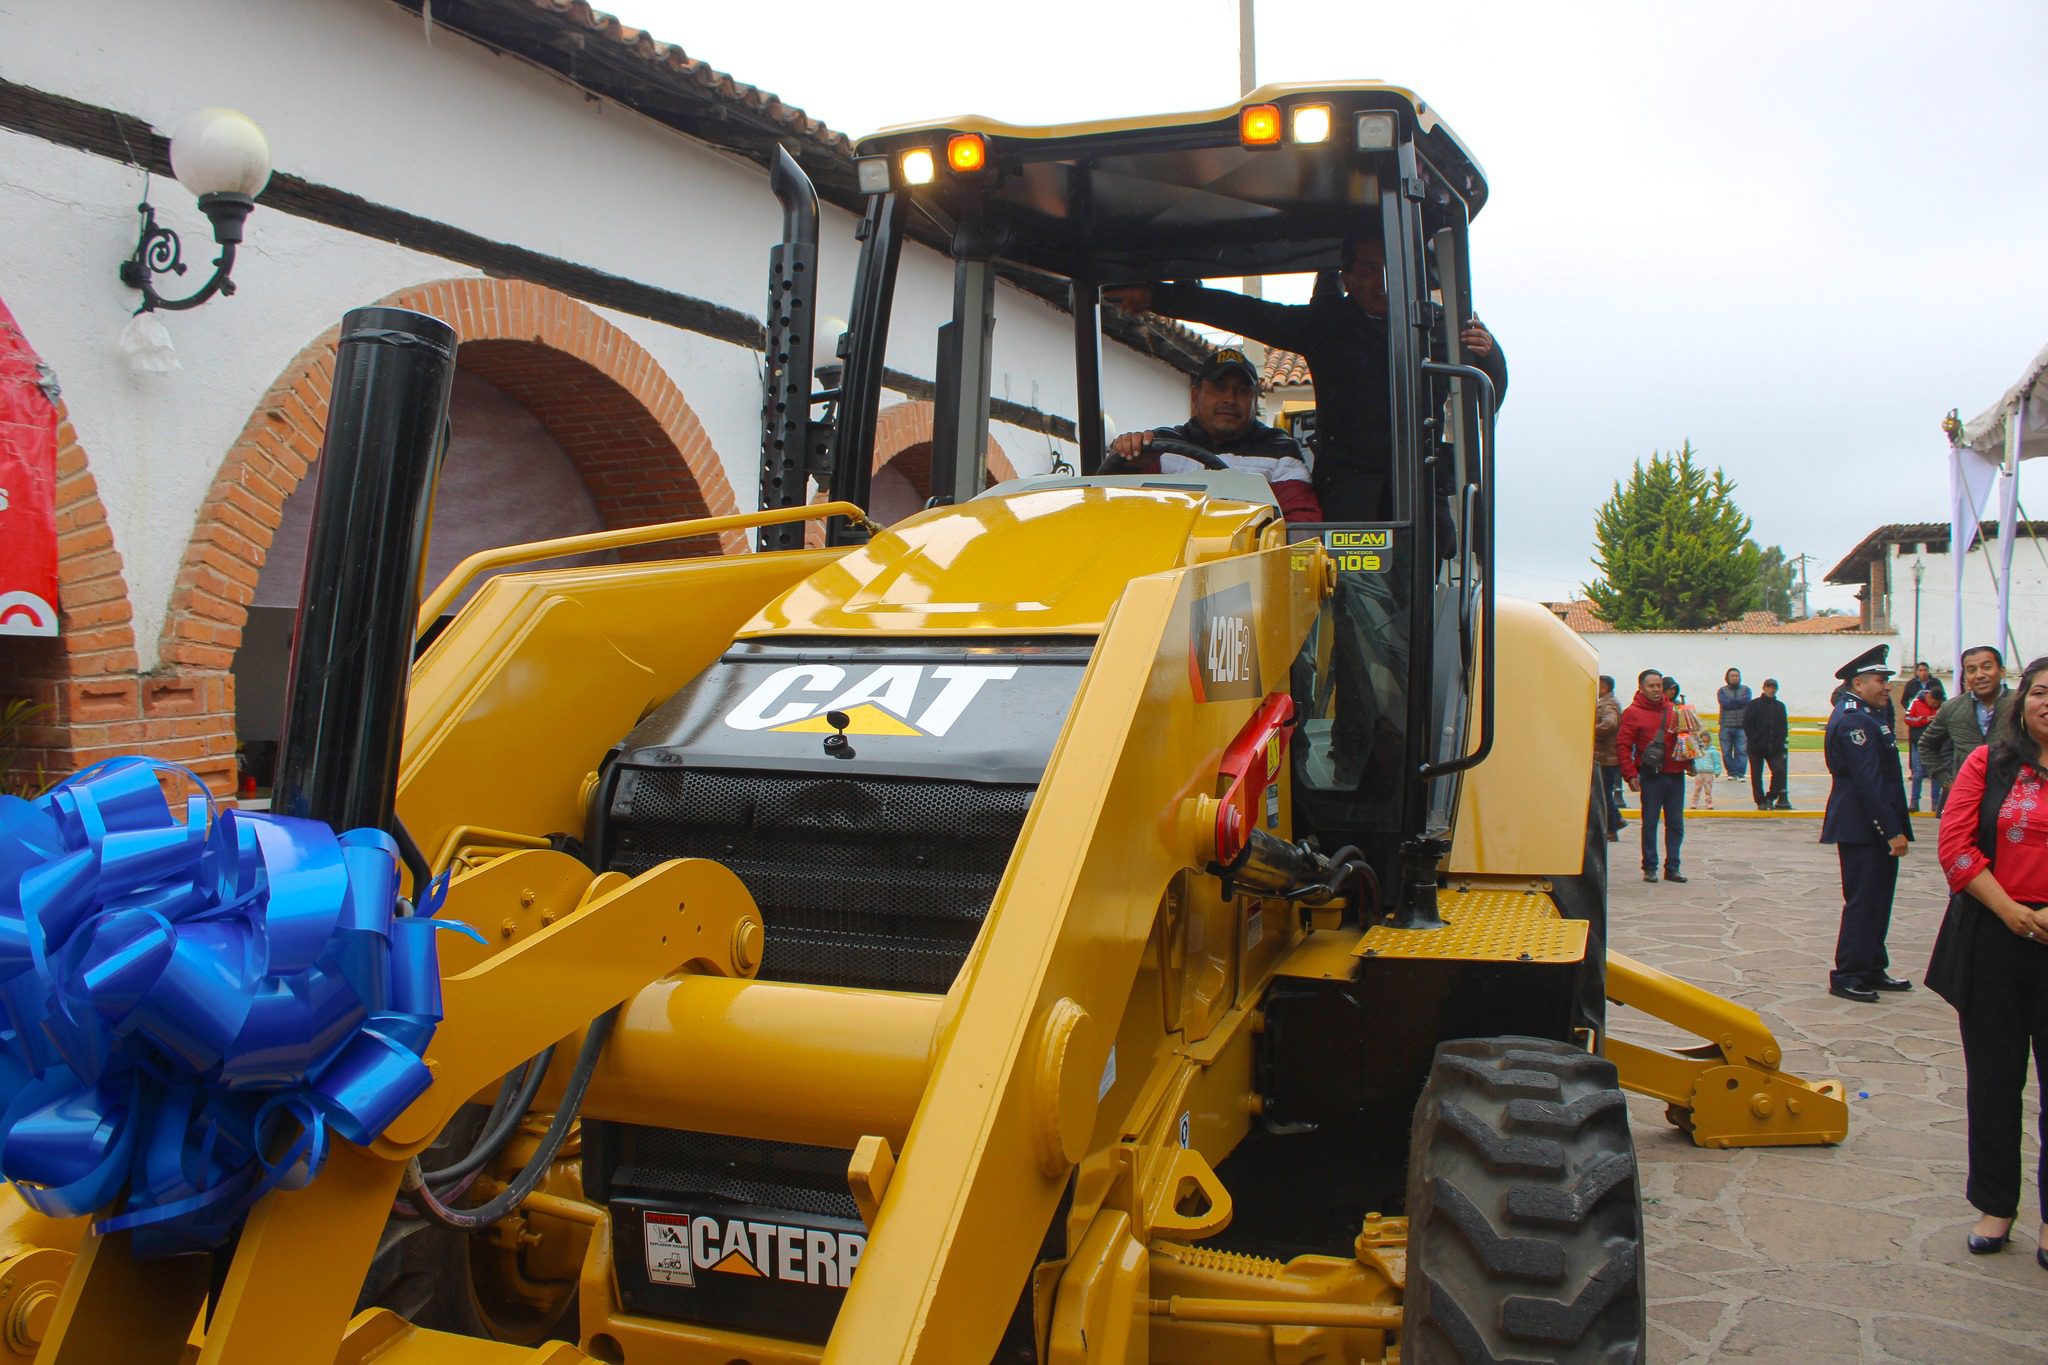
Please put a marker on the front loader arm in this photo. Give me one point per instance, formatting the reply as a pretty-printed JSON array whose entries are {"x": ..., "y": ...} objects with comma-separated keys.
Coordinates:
[
  {"x": 303, "y": 1253},
  {"x": 1024, "y": 1074}
]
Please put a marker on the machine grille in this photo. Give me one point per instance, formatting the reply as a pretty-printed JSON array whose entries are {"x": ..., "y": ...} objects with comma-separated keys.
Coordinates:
[
  {"x": 877, "y": 882},
  {"x": 657, "y": 1163}
]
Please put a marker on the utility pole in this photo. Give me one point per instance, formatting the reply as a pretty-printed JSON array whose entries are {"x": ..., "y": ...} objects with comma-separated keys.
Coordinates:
[
  {"x": 1248, "y": 81},
  {"x": 1247, "y": 50},
  {"x": 1805, "y": 609}
]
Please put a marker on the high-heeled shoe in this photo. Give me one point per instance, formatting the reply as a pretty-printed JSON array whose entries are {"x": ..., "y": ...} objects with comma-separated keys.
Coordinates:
[{"x": 1985, "y": 1246}]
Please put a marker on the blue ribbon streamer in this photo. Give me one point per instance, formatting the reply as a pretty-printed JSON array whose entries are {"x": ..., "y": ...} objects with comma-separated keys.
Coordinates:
[{"x": 191, "y": 1009}]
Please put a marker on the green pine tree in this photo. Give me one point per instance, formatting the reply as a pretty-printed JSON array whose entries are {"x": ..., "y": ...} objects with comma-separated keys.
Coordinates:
[{"x": 1673, "y": 548}]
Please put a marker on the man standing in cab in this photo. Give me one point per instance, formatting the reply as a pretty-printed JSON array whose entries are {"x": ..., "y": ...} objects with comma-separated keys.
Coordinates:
[{"x": 1866, "y": 821}]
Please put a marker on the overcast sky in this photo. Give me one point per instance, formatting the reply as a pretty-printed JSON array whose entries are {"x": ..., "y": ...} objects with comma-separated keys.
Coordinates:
[{"x": 1795, "y": 233}]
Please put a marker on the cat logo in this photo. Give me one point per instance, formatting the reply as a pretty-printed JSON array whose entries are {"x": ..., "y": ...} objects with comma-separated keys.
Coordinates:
[
  {"x": 912, "y": 701},
  {"x": 679, "y": 1245},
  {"x": 1223, "y": 648}
]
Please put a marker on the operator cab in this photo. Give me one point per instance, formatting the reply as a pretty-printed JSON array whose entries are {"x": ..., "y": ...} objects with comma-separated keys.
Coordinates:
[
  {"x": 1236, "y": 485},
  {"x": 1273, "y": 185}
]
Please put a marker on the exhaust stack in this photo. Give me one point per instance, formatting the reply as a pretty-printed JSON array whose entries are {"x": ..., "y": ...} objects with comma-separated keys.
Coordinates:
[{"x": 351, "y": 657}]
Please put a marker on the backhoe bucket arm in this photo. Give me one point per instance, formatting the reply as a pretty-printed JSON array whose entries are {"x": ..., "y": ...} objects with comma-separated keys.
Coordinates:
[{"x": 1729, "y": 1091}]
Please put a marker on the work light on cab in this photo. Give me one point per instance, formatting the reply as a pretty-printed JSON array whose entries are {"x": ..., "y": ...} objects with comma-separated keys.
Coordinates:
[
  {"x": 872, "y": 174},
  {"x": 918, "y": 166},
  {"x": 1312, "y": 123},
  {"x": 966, "y": 153},
  {"x": 1376, "y": 131},
  {"x": 1258, "y": 125}
]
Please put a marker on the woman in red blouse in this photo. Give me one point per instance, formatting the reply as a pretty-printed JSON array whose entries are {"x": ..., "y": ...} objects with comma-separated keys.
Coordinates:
[{"x": 1991, "y": 957}]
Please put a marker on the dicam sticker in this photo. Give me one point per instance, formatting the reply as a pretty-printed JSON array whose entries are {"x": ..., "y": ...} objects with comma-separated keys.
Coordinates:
[{"x": 1360, "y": 551}]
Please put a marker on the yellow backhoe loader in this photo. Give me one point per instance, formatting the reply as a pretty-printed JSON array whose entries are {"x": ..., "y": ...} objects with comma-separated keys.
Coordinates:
[{"x": 1091, "y": 919}]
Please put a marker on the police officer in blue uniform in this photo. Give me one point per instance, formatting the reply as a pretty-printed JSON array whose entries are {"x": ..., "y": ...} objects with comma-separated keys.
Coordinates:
[{"x": 1867, "y": 823}]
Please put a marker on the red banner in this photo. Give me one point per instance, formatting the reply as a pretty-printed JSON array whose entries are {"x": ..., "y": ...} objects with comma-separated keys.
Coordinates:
[{"x": 28, "y": 487}]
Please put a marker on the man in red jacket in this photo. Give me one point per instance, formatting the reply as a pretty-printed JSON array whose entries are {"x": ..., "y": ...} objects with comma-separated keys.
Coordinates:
[{"x": 1644, "y": 746}]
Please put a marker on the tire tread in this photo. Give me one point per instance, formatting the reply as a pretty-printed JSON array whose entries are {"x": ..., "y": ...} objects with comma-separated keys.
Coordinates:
[{"x": 1525, "y": 1246}]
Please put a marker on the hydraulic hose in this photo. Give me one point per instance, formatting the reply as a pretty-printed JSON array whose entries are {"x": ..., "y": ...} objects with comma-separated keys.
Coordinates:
[
  {"x": 515, "y": 1097},
  {"x": 528, "y": 1180}
]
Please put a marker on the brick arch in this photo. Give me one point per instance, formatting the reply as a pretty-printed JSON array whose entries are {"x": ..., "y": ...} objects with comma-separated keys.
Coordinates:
[
  {"x": 603, "y": 398},
  {"x": 637, "y": 469},
  {"x": 902, "y": 426},
  {"x": 98, "y": 704},
  {"x": 903, "y": 437}
]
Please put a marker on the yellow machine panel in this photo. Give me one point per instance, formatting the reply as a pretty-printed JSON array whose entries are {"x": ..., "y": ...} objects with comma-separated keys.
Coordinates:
[
  {"x": 1485, "y": 926},
  {"x": 954, "y": 570},
  {"x": 1548, "y": 676}
]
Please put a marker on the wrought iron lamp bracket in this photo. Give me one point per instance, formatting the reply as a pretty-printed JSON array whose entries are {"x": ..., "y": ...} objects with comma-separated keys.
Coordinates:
[{"x": 159, "y": 252}]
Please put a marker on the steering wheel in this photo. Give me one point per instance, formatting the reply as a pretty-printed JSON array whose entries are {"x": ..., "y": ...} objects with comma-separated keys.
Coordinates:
[{"x": 1168, "y": 445}]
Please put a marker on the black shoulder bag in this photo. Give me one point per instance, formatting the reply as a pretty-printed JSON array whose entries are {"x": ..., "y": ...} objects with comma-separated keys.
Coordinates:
[
  {"x": 1967, "y": 923},
  {"x": 1652, "y": 758}
]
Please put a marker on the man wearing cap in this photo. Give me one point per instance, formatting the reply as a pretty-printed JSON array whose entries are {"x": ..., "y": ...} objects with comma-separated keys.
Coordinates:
[
  {"x": 1769, "y": 730},
  {"x": 1223, "y": 403},
  {"x": 1343, "y": 337},
  {"x": 1866, "y": 821}
]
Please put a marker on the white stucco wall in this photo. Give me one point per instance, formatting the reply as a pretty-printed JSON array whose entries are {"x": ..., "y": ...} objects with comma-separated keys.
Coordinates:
[
  {"x": 1804, "y": 665},
  {"x": 1936, "y": 602},
  {"x": 353, "y": 95},
  {"x": 154, "y": 441}
]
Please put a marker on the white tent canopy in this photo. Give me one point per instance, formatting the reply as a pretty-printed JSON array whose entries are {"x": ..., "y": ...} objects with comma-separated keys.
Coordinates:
[
  {"x": 2024, "y": 404},
  {"x": 1989, "y": 449}
]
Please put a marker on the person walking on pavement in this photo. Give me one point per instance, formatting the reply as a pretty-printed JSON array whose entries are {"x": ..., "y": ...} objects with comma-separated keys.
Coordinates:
[
  {"x": 1734, "y": 699},
  {"x": 1922, "y": 697},
  {"x": 1607, "y": 724},
  {"x": 1920, "y": 713},
  {"x": 1991, "y": 957},
  {"x": 1960, "y": 728},
  {"x": 1647, "y": 751},
  {"x": 1866, "y": 821},
  {"x": 1923, "y": 680},
  {"x": 1769, "y": 733}
]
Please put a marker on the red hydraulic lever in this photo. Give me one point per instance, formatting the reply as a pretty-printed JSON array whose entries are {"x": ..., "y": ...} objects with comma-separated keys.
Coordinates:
[{"x": 1250, "y": 769}]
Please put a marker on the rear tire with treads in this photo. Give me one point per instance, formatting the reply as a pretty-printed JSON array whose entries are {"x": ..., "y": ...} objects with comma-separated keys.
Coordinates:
[{"x": 1525, "y": 1215}]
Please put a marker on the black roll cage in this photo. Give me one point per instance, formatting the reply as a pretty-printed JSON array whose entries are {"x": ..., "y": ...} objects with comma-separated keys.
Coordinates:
[{"x": 1441, "y": 411}]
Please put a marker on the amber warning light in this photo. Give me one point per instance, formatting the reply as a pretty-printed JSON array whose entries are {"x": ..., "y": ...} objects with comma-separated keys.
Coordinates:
[
  {"x": 1258, "y": 125},
  {"x": 966, "y": 153}
]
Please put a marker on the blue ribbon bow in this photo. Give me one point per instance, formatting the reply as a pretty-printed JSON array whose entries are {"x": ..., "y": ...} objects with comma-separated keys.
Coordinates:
[{"x": 190, "y": 1008}]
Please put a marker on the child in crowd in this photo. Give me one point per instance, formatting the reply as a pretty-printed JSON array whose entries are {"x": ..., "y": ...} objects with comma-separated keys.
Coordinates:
[{"x": 1705, "y": 769}]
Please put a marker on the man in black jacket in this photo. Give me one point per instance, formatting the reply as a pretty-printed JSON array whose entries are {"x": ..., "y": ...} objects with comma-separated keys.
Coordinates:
[
  {"x": 1769, "y": 733},
  {"x": 1344, "y": 340}
]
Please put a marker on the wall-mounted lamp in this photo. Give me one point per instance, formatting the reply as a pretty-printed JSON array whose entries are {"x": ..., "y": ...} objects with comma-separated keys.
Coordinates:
[
  {"x": 831, "y": 364},
  {"x": 224, "y": 159}
]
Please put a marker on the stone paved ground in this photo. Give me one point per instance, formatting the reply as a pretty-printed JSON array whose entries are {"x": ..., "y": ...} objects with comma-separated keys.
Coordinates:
[{"x": 1822, "y": 1254}]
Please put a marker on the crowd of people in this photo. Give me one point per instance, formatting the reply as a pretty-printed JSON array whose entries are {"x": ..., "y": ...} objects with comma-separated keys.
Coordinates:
[
  {"x": 1981, "y": 758},
  {"x": 1658, "y": 742}
]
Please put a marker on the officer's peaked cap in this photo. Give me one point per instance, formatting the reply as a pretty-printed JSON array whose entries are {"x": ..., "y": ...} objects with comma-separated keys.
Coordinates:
[{"x": 1869, "y": 661}]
